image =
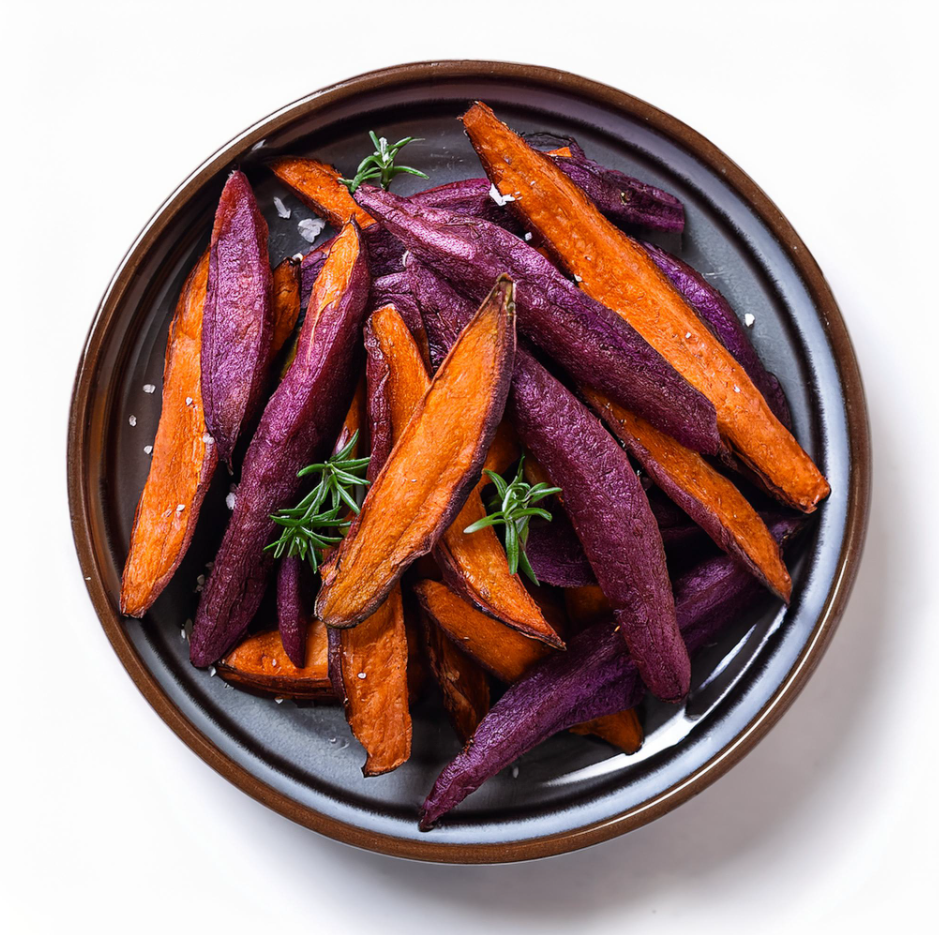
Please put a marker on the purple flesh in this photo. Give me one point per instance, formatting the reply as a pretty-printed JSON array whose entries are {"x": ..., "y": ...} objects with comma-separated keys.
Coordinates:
[
  {"x": 611, "y": 515},
  {"x": 716, "y": 312},
  {"x": 238, "y": 324},
  {"x": 595, "y": 677},
  {"x": 589, "y": 340},
  {"x": 298, "y": 427},
  {"x": 292, "y": 614}
]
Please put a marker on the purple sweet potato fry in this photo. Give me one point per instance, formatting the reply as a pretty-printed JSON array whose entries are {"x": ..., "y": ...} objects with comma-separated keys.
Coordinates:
[
  {"x": 298, "y": 427},
  {"x": 610, "y": 512},
  {"x": 623, "y": 199},
  {"x": 293, "y": 615},
  {"x": 238, "y": 322},
  {"x": 595, "y": 677},
  {"x": 395, "y": 289},
  {"x": 714, "y": 309},
  {"x": 589, "y": 340},
  {"x": 555, "y": 553}
]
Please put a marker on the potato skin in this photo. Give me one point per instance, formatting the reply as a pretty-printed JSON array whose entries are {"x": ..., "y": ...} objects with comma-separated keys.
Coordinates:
[
  {"x": 609, "y": 510},
  {"x": 299, "y": 425},
  {"x": 238, "y": 324}
]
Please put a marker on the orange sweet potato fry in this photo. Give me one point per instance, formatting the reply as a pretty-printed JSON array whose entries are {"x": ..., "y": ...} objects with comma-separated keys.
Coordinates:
[
  {"x": 260, "y": 664},
  {"x": 475, "y": 564},
  {"x": 616, "y": 271},
  {"x": 285, "y": 302},
  {"x": 369, "y": 668},
  {"x": 430, "y": 471},
  {"x": 183, "y": 459},
  {"x": 708, "y": 497},
  {"x": 317, "y": 185},
  {"x": 623, "y": 729},
  {"x": 507, "y": 654},
  {"x": 504, "y": 652},
  {"x": 462, "y": 682}
]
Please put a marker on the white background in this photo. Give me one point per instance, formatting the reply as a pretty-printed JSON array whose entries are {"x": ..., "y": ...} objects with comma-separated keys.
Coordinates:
[{"x": 110, "y": 824}]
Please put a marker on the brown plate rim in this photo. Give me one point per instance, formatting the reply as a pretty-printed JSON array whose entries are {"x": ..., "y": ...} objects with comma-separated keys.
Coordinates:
[{"x": 80, "y": 499}]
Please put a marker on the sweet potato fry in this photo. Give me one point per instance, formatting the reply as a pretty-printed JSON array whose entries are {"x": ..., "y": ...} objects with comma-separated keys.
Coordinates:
[
  {"x": 623, "y": 729},
  {"x": 182, "y": 463},
  {"x": 708, "y": 497},
  {"x": 612, "y": 517},
  {"x": 285, "y": 302},
  {"x": 473, "y": 564},
  {"x": 504, "y": 652},
  {"x": 369, "y": 671},
  {"x": 293, "y": 617},
  {"x": 462, "y": 682},
  {"x": 317, "y": 185},
  {"x": 586, "y": 606},
  {"x": 430, "y": 471},
  {"x": 260, "y": 664},
  {"x": 299, "y": 424},
  {"x": 616, "y": 271},
  {"x": 238, "y": 325}
]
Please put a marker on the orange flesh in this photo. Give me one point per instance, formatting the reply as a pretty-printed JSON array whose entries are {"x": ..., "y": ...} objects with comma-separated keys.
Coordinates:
[
  {"x": 508, "y": 655},
  {"x": 182, "y": 463},
  {"x": 428, "y": 464},
  {"x": 697, "y": 478},
  {"x": 623, "y": 729},
  {"x": 374, "y": 665},
  {"x": 462, "y": 683},
  {"x": 260, "y": 663},
  {"x": 479, "y": 556},
  {"x": 616, "y": 271},
  {"x": 286, "y": 302},
  {"x": 317, "y": 185}
]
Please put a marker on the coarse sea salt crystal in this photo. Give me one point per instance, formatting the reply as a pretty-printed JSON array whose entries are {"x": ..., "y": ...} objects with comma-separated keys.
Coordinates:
[
  {"x": 515, "y": 772},
  {"x": 278, "y": 700},
  {"x": 259, "y": 145},
  {"x": 148, "y": 449},
  {"x": 132, "y": 421},
  {"x": 736, "y": 388},
  {"x": 180, "y": 507},
  {"x": 498, "y": 197},
  {"x": 361, "y": 675},
  {"x": 282, "y": 210},
  {"x": 577, "y": 278},
  {"x": 311, "y": 228},
  {"x": 149, "y": 388},
  {"x": 527, "y": 236},
  {"x": 207, "y": 439},
  {"x": 687, "y": 335},
  {"x": 748, "y": 320},
  {"x": 211, "y": 672},
  {"x": 188, "y": 400},
  {"x": 230, "y": 500}
]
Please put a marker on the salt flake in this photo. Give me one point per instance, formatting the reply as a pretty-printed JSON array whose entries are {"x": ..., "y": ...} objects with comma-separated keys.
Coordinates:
[
  {"x": 230, "y": 500},
  {"x": 311, "y": 228},
  {"x": 282, "y": 210},
  {"x": 361, "y": 675},
  {"x": 149, "y": 388},
  {"x": 527, "y": 236},
  {"x": 133, "y": 421},
  {"x": 498, "y": 197},
  {"x": 748, "y": 320},
  {"x": 148, "y": 449},
  {"x": 211, "y": 672}
]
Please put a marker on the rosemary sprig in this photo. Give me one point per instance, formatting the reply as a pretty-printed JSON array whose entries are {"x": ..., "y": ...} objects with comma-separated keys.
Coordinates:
[
  {"x": 514, "y": 508},
  {"x": 381, "y": 164},
  {"x": 317, "y": 521}
]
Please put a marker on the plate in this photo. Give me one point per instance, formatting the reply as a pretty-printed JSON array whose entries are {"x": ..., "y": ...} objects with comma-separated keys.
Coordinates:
[{"x": 571, "y": 791}]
